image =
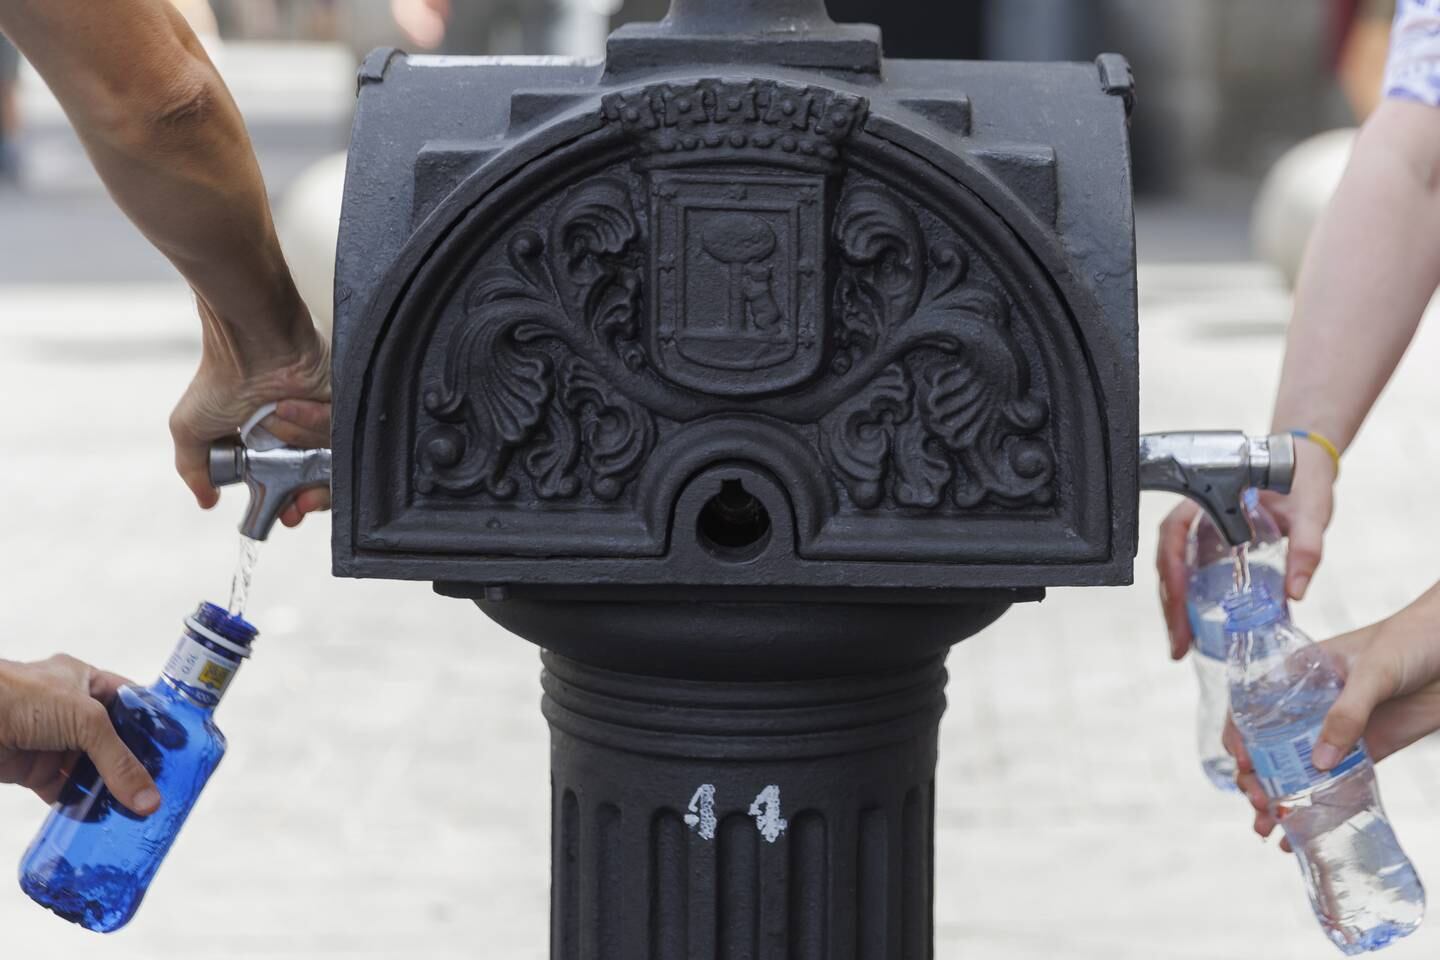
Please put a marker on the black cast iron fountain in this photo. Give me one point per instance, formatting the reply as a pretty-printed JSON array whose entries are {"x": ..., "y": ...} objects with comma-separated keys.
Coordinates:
[{"x": 745, "y": 373}]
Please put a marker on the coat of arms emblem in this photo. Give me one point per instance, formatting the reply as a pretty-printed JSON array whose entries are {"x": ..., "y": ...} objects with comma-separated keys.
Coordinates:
[{"x": 738, "y": 177}]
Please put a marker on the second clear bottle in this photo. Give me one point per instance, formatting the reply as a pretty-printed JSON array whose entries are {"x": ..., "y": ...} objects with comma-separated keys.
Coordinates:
[{"x": 1210, "y": 565}]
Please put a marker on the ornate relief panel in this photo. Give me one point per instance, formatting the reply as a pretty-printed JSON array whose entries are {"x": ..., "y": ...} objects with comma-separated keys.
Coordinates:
[{"x": 733, "y": 253}]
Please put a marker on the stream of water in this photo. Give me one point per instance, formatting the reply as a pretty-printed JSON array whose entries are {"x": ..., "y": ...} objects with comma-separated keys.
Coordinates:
[
  {"x": 1242, "y": 568},
  {"x": 244, "y": 572}
]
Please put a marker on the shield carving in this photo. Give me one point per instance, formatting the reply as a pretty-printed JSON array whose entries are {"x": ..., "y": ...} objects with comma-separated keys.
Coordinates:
[{"x": 739, "y": 281}]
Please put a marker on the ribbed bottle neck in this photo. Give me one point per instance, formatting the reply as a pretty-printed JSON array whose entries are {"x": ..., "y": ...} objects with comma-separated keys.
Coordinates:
[
  {"x": 207, "y": 656},
  {"x": 1252, "y": 610}
]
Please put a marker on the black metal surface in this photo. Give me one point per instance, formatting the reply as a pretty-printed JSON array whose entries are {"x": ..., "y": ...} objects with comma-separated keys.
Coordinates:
[
  {"x": 905, "y": 300},
  {"x": 759, "y": 640},
  {"x": 766, "y": 822},
  {"x": 744, "y": 373}
]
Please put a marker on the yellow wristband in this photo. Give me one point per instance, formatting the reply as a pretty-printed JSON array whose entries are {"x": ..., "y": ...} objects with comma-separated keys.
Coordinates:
[{"x": 1323, "y": 442}]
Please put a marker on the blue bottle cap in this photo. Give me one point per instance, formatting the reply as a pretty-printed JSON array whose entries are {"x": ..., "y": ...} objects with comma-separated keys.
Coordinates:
[
  {"x": 233, "y": 628},
  {"x": 1251, "y": 609}
]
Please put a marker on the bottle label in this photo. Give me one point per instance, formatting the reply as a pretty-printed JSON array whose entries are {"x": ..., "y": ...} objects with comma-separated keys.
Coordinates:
[
  {"x": 1211, "y": 640},
  {"x": 199, "y": 671},
  {"x": 1285, "y": 768}
]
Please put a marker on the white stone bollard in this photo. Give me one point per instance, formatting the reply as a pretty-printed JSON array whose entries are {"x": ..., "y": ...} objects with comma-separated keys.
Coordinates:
[
  {"x": 308, "y": 221},
  {"x": 1294, "y": 194}
]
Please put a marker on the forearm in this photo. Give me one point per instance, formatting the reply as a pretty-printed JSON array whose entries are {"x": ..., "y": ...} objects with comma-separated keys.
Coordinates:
[
  {"x": 170, "y": 145},
  {"x": 1371, "y": 268}
]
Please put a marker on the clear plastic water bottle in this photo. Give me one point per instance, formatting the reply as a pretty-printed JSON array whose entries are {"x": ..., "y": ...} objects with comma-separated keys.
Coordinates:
[
  {"x": 1210, "y": 562},
  {"x": 1362, "y": 887},
  {"x": 93, "y": 859}
]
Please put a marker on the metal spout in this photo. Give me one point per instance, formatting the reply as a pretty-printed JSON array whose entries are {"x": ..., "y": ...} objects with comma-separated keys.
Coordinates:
[
  {"x": 273, "y": 476},
  {"x": 1214, "y": 468}
]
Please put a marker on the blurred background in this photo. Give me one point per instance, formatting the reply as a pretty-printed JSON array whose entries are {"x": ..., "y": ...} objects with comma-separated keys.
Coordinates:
[{"x": 385, "y": 794}]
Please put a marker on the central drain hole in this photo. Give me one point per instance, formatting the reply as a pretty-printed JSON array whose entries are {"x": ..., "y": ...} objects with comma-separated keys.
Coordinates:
[{"x": 734, "y": 524}]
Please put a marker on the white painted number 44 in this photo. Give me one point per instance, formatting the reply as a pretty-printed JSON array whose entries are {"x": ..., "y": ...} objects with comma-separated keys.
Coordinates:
[
  {"x": 701, "y": 817},
  {"x": 765, "y": 810}
]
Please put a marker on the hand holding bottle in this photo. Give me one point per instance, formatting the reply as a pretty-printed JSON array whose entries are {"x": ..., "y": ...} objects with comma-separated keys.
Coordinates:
[
  {"x": 93, "y": 859},
  {"x": 1302, "y": 515},
  {"x": 1362, "y": 887},
  {"x": 55, "y": 709},
  {"x": 1391, "y": 695}
]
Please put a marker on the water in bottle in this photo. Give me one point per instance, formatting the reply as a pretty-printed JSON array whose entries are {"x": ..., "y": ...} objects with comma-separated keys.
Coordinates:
[
  {"x": 93, "y": 859},
  {"x": 1211, "y": 564},
  {"x": 1362, "y": 887}
]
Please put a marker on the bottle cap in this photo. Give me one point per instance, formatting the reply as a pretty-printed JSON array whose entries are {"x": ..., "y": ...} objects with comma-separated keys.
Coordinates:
[
  {"x": 223, "y": 628},
  {"x": 1249, "y": 609}
]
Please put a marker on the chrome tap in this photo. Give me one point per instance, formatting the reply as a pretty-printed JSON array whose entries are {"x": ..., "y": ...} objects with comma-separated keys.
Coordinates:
[
  {"x": 274, "y": 477},
  {"x": 1213, "y": 468}
]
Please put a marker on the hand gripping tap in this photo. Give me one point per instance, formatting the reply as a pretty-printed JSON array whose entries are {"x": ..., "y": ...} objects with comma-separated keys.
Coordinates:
[{"x": 274, "y": 472}]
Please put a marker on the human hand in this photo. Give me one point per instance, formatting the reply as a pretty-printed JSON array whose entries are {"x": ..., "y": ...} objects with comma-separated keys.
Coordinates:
[
  {"x": 422, "y": 21},
  {"x": 1174, "y": 582},
  {"x": 1267, "y": 818},
  {"x": 226, "y": 391},
  {"x": 1391, "y": 697},
  {"x": 1302, "y": 515},
  {"x": 52, "y": 711}
]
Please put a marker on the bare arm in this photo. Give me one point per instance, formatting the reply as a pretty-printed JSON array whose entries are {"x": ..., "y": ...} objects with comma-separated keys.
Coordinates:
[
  {"x": 1370, "y": 270},
  {"x": 1369, "y": 273},
  {"x": 170, "y": 145},
  {"x": 166, "y": 138}
]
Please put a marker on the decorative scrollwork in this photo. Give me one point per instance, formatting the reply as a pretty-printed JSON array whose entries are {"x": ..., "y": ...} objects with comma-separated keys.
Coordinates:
[
  {"x": 594, "y": 235},
  {"x": 515, "y": 397},
  {"x": 884, "y": 251},
  {"x": 952, "y": 418},
  {"x": 957, "y": 411}
]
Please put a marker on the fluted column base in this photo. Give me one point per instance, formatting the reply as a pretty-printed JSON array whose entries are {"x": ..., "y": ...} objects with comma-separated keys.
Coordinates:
[{"x": 699, "y": 820}]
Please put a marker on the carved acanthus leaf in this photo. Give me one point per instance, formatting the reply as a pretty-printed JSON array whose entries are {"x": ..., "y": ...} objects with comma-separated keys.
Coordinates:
[
  {"x": 958, "y": 411},
  {"x": 513, "y": 387},
  {"x": 594, "y": 223},
  {"x": 617, "y": 432},
  {"x": 594, "y": 235},
  {"x": 860, "y": 434},
  {"x": 883, "y": 248}
]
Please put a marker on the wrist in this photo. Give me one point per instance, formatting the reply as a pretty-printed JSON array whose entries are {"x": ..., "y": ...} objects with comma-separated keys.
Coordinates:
[
  {"x": 1317, "y": 447},
  {"x": 1314, "y": 434},
  {"x": 1425, "y": 610},
  {"x": 274, "y": 337}
]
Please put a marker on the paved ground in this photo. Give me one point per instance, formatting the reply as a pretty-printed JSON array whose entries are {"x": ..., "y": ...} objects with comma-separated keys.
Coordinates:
[{"x": 385, "y": 794}]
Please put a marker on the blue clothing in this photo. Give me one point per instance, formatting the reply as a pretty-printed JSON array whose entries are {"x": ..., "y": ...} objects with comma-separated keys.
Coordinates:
[{"x": 1413, "y": 70}]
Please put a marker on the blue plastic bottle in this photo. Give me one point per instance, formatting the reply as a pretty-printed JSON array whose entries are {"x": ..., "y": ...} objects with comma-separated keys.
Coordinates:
[
  {"x": 93, "y": 859},
  {"x": 1362, "y": 886},
  {"x": 1210, "y": 563}
]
